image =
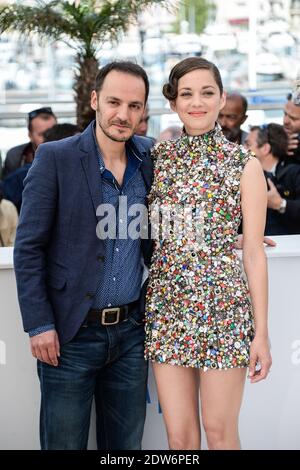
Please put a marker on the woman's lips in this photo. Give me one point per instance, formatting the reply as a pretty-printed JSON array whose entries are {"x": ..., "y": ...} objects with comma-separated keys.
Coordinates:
[{"x": 197, "y": 114}]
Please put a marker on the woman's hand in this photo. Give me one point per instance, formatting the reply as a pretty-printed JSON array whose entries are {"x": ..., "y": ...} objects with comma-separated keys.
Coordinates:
[{"x": 259, "y": 354}]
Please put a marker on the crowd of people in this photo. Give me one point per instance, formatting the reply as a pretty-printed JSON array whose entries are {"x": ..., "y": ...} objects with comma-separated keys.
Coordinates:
[{"x": 42, "y": 127}]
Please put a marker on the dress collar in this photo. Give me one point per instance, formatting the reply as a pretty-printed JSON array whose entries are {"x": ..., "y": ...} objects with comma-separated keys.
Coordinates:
[{"x": 209, "y": 140}]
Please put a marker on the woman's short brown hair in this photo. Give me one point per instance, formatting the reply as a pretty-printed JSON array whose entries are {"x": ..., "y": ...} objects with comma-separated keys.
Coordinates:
[{"x": 170, "y": 89}]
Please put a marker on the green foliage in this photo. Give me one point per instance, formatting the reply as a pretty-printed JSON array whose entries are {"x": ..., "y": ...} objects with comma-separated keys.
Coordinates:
[
  {"x": 87, "y": 22},
  {"x": 83, "y": 25},
  {"x": 196, "y": 12}
]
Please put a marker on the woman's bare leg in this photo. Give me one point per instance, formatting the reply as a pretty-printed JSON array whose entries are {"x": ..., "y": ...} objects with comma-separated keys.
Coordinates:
[
  {"x": 221, "y": 393},
  {"x": 178, "y": 394}
]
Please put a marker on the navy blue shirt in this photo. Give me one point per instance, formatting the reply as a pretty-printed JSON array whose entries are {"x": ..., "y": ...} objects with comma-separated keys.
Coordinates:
[{"x": 120, "y": 275}]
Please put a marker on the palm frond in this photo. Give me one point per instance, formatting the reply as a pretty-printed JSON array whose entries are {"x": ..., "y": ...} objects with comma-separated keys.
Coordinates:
[
  {"x": 42, "y": 20},
  {"x": 87, "y": 22},
  {"x": 83, "y": 25}
]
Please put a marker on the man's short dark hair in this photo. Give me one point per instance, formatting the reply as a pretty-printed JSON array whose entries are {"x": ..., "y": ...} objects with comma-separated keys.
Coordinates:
[
  {"x": 274, "y": 135},
  {"x": 60, "y": 131},
  {"x": 45, "y": 113},
  {"x": 234, "y": 95},
  {"x": 125, "y": 67}
]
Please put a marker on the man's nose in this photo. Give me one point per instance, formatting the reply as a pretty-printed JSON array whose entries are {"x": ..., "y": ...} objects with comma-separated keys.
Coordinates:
[
  {"x": 286, "y": 120},
  {"x": 223, "y": 121},
  {"x": 123, "y": 113}
]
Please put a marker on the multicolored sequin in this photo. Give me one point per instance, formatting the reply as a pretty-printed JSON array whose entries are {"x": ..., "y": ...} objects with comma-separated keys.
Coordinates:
[{"x": 198, "y": 311}]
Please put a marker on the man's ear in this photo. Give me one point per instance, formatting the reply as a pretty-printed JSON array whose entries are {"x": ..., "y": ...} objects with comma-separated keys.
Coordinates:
[
  {"x": 266, "y": 148},
  {"x": 94, "y": 100}
]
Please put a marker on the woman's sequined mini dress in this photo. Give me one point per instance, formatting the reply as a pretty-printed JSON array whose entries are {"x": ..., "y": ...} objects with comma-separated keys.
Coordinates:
[{"x": 198, "y": 310}]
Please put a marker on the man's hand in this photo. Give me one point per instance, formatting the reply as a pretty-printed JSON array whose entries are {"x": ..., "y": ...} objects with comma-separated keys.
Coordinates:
[
  {"x": 266, "y": 240},
  {"x": 274, "y": 198},
  {"x": 293, "y": 143},
  {"x": 45, "y": 347},
  {"x": 269, "y": 241}
]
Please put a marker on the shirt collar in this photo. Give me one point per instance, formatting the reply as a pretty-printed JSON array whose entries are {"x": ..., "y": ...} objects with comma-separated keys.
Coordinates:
[
  {"x": 273, "y": 169},
  {"x": 131, "y": 152}
]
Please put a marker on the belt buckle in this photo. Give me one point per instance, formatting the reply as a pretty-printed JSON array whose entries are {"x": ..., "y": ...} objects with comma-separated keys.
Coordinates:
[{"x": 110, "y": 310}]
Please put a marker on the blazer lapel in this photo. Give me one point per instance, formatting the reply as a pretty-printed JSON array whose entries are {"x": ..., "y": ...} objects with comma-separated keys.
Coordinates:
[
  {"x": 90, "y": 165},
  {"x": 146, "y": 165}
]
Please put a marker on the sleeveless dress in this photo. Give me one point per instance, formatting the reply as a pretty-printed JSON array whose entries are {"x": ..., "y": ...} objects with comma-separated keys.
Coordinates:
[{"x": 198, "y": 309}]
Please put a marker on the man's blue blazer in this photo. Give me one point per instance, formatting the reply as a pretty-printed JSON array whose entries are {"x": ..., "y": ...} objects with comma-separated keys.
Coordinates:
[{"x": 57, "y": 252}]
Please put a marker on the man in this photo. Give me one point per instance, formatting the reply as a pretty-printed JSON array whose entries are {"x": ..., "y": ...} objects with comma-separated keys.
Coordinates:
[
  {"x": 61, "y": 131},
  {"x": 39, "y": 120},
  {"x": 291, "y": 124},
  {"x": 269, "y": 143},
  {"x": 142, "y": 127},
  {"x": 13, "y": 183},
  {"x": 232, "y": 116},
  {"x": 80, "y": 295}
]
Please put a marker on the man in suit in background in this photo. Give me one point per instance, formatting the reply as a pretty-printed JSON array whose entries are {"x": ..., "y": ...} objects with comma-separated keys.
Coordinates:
[
  {"x": 38, "y": 122},
  {"x": 232, "y": 116},
  {"x": 291, "y": 124},
  {"x": 80, "y": 294}
]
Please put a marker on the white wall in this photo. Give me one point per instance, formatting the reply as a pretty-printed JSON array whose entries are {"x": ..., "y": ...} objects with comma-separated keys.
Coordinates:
[{"x": 271, "y": 409}]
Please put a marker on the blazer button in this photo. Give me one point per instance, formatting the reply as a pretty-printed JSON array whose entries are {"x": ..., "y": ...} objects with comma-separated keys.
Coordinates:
[
  {"x": 100, "y": 258},
  {"x": 89, "y": 295}
]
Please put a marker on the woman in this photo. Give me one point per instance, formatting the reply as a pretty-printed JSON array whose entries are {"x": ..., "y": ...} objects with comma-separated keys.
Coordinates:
[{"x": 202, "y": 329}]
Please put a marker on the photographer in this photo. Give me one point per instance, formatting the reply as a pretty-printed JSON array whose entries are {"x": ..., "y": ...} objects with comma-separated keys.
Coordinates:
[
  {"x": 291, "y": 124},
  {"x": 269, "y": 143}
]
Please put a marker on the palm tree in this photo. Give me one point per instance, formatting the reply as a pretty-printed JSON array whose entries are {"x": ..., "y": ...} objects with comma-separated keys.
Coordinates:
[{"x": 83, "y": 25}]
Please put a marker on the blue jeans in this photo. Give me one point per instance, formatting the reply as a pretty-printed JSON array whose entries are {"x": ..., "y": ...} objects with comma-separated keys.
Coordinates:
[{"x": 102, "y": 362}]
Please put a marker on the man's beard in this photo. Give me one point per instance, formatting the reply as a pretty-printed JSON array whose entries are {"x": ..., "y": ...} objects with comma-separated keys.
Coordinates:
[
  {"x": 232, "y": 134},
  {"x": 108, "y": 134}
]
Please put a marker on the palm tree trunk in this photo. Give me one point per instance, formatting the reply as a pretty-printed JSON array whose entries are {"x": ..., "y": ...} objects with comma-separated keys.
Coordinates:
[{"x": 87, "y": 69}]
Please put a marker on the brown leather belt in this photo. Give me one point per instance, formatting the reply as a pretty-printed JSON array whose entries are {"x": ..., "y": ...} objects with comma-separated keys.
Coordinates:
[{"x": 112, "y": 315}]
